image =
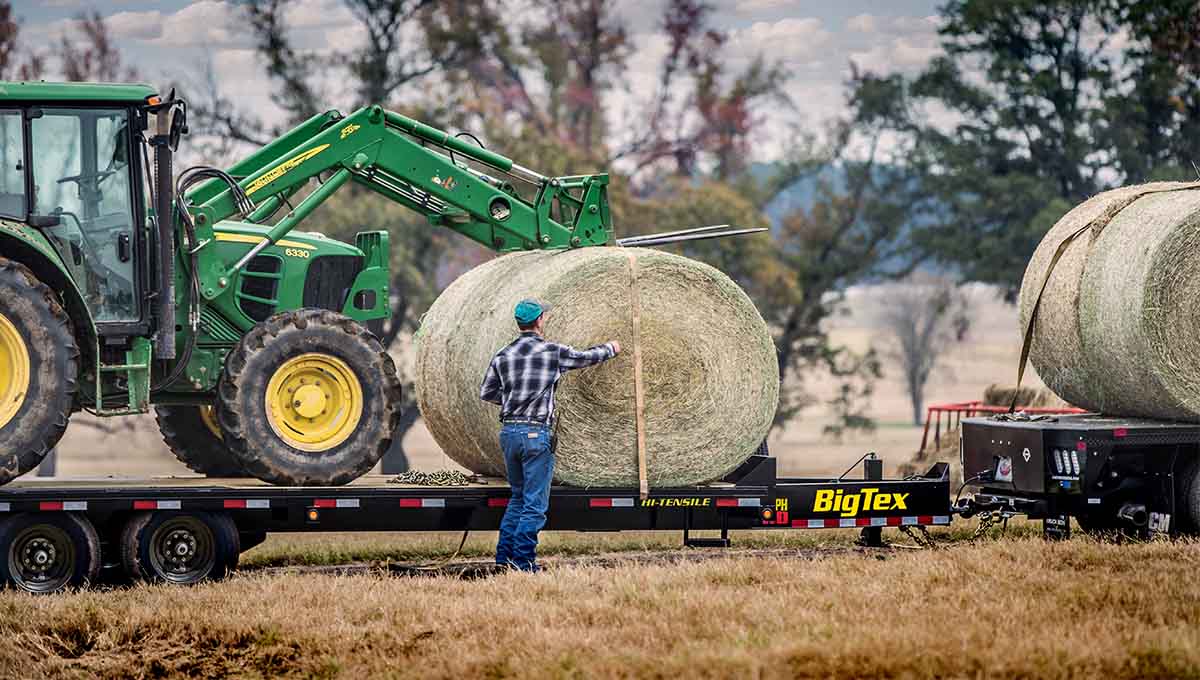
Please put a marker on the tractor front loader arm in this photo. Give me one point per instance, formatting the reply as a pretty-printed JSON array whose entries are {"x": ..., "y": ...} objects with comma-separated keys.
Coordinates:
[{"x": 449, "y": 181}]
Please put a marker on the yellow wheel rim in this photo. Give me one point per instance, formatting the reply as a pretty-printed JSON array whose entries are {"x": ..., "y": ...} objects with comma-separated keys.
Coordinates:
[
  {"x": 14, "y": 370},
  {"x": 208, "y": 416},
  {"x": 314, "y": 402}
]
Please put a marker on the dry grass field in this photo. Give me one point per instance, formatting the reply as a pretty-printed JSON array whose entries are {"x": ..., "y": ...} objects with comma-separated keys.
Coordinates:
[{"x": 1015, "y": 607}]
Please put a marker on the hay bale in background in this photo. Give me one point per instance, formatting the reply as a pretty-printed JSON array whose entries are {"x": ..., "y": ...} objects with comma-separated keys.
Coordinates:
[
  {"x": 1116, "y": 330},
  {"x": 1029, "y": 396},
  {"x": 710, "y": 371}
]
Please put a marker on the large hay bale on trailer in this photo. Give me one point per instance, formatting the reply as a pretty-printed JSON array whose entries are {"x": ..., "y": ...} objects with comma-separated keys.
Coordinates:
[
  {"x": 710, "y": 371},
  {"x": 1116, "y": 329},
  {"x": 1027, "y": 396}
]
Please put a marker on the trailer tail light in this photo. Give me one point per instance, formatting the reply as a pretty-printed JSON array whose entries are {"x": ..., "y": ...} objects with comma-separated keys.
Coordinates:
[
  {"x": 1058, "y": 460},
  {"x": 1075, "y": 462}
]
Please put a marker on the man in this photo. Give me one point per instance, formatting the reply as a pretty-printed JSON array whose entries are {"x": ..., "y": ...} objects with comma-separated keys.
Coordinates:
[{"x": 521, "y": 379}]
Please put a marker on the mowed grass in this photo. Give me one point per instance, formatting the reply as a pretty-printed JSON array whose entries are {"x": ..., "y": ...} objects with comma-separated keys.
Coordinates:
[{"x": 1014, "y": 607}]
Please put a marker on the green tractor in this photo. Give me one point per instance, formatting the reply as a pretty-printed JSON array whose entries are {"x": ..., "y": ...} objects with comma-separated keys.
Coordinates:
[{"x": 125, "y": 288}]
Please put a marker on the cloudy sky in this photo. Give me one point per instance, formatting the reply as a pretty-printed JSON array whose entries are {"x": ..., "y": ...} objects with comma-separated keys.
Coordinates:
[{"x": 815, "y": 40}]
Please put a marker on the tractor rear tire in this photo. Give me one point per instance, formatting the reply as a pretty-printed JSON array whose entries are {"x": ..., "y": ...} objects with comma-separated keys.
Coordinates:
[
  {"x": 188, "y": 433},
  {"x": 38, "y": 370},
  {"x": 308, "y": 397}
]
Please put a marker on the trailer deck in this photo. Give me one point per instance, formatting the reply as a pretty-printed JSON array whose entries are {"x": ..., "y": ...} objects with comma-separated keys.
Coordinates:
[{"x": 753, "y": 498}]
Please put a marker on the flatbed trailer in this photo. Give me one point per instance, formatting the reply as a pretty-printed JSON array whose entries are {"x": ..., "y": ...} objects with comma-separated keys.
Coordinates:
[
  {"x": 57, "y": 533},
  {"x": 1132, "y": 475}
]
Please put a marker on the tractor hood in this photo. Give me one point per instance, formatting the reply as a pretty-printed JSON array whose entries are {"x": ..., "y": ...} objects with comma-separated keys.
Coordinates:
[{"x": 252, "y": 234}]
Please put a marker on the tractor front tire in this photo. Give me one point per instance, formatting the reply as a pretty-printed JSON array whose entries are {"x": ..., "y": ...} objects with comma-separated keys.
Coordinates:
[
  {"x": 192, "y": 434},
  {"x": 308, "y": 397},
  {"x": 38, "y": 370}
]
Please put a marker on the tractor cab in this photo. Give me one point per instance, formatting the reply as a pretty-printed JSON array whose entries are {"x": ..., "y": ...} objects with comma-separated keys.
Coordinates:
[
  {"x": 70, "y": 171},
  {"x": 84, "y": 203}
]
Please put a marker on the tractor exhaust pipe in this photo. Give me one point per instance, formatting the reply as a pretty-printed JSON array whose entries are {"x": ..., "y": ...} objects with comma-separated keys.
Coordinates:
[
  {"x": 165, "y": 215},
  {"x": 1135, "y": 514}
]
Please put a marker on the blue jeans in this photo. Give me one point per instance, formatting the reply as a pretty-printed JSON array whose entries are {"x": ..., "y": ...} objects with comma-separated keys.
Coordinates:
[{"x": 530, "y": 465}]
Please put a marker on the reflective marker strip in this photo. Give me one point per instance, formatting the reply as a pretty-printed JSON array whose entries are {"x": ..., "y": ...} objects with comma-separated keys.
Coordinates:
[
  {"x": 336, "y": 503},
  {"x": 497, "y": 502},
  {"x": 739, "y": 502},
  {"x": 156, "y": 505},
  {"x": 422, "y": 502},
  {"x": 610, "y": 503},
  {"x": 248, "y": 503},
  {"x": 63, "y": 505},
  {"x": 845, "y": 522}
]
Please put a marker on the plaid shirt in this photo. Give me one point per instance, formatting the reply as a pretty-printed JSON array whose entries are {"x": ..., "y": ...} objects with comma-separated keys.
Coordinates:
[{"x": 523, "y": 375}]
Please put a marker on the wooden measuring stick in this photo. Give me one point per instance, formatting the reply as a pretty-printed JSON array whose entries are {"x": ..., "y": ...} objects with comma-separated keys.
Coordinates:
[{"x": 638, "y": 395}]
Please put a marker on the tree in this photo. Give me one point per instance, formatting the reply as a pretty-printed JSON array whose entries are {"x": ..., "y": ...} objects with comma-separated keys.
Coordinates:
[
  {"x": 449, "y": 35},
  {"x": 1152, "y": 121},
  {"x": 854, "y": 231},
  {"x": 924, "y": 316},
  {"x": 701, "y": 114},
  {"x": 89, "y": 54},
  {"x": 1034, "y": 107},
  {"x": 405, "y": 43},
  {"x": 15, "y": 62}
]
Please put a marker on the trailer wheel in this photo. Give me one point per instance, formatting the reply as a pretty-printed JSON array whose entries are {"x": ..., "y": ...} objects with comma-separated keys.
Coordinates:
[
  {"x": 49, "y": 551},
  {"x": 192, "y": 434},
  {"x": 38, "y": 367},
  {"x": 308, "y": 397},
  {"x": 179, "y": 547}
]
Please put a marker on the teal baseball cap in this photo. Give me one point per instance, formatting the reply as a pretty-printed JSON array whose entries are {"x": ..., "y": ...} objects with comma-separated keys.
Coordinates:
[{"x": 528, "y": 311}]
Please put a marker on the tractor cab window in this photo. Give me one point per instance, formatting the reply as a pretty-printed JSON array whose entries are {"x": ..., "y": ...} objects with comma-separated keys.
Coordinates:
[
  {"x": 12, "y": 165},
  {"x": 81, "y": 176}
]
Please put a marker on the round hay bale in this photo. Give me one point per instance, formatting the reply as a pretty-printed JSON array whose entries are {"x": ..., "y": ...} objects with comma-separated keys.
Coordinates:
[
  {"x": 710, "y": 371},
  {"x": 1116, "y": 328},
  {"x": 1028, "y": 396}
]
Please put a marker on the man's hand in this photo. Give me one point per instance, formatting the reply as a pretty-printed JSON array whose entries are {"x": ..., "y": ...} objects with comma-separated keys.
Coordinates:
[{"x": 616, "y": 347}]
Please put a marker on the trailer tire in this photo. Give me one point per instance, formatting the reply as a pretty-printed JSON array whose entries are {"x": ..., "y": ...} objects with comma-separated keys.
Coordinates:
[
  {"x": 46, "y": 552},
  {"x": 308, "y": 397},
  {"x": 179, "y": 547},
  {"x": 38, "y": 370},
  {"x": 187, "y": 432}
]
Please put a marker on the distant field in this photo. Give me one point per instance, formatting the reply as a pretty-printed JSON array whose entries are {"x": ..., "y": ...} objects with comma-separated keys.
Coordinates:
[{"x": 1015, "y": 607}]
